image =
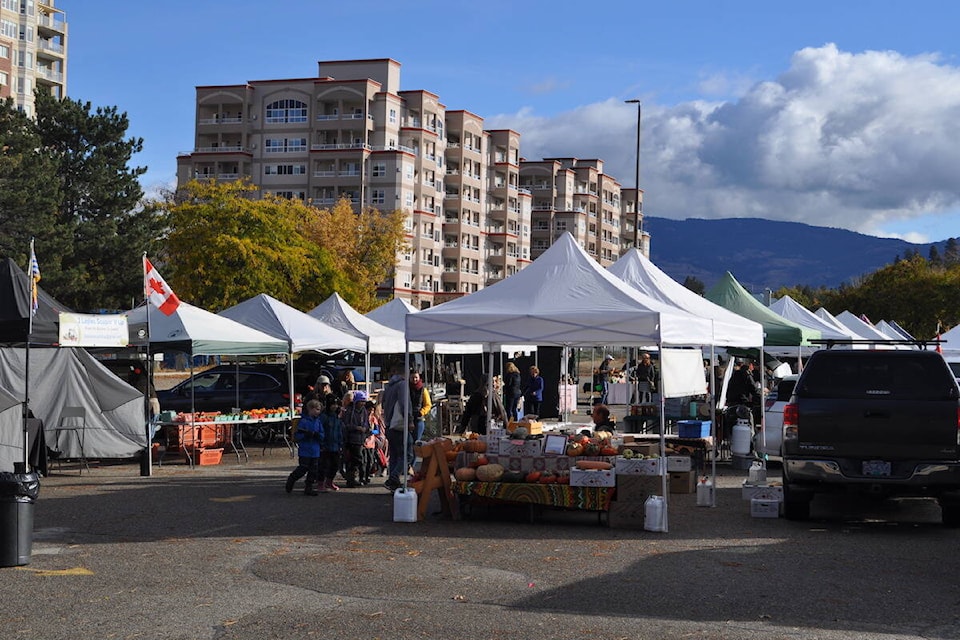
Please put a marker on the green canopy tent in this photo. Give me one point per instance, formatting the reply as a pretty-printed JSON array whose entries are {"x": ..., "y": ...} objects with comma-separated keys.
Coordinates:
[{"x": 777, "y": 330}]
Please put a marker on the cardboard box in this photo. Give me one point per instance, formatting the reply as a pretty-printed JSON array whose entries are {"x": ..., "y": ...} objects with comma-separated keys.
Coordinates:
[
  {"x": 638, "y": 466},
  {"x": 534, "y": 428},
  {"x": 683, "y": 482},
  {"x": 694, "y": 428},
  {"x": 679, "y": 463},
  {"x": 764, "y": 508},
  {"x": 511, "y": 447},
  {"x": 626, "y": 515},
  {"x": 634, "y": 488},
  {"x": 533, "y": 447},
  {"x": 592, "y": 478},
  {"x": 642, "y": 448},
  {"x": 768, "y": 491}
]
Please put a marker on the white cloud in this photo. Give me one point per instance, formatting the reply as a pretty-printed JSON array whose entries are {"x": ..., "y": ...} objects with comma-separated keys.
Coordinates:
[{"x": 839, "y": 139}]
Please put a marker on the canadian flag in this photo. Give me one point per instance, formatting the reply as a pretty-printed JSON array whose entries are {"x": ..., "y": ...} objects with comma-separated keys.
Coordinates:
[{"x": 156, "y": 289}]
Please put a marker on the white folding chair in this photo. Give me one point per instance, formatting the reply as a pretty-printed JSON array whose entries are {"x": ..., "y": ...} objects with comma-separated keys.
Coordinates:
[{"x": 73, "y": 420}]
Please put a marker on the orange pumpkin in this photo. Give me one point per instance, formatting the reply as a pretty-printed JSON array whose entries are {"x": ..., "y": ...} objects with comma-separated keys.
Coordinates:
[
  {"x": 475, "y": 446},
  {"x": 451, "y": 456},
  {"x": 533, "y": 477}
]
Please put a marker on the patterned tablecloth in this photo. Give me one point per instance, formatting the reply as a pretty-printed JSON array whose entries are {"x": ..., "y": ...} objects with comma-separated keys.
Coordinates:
[{"x": 551, "y": 495}]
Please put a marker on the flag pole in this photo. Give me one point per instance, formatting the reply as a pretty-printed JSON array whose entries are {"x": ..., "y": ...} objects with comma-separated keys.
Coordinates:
[
  {"x": 146, "y": 458},
  {"x": 34, "y": 275}
]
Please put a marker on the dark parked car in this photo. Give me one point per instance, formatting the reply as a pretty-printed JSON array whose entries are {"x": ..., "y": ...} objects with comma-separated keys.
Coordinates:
[{"x": 226, "y": 386}]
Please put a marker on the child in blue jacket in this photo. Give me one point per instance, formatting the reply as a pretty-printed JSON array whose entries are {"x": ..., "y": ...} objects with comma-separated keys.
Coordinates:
[
  {"x": 309, "y": 436},
  {"x": 332, "y": 444}
]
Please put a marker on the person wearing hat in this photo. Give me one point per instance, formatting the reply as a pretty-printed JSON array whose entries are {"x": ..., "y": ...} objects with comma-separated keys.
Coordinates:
[
  {"x": 320, "y": 390},
  {"x": 356, "y": 424}
]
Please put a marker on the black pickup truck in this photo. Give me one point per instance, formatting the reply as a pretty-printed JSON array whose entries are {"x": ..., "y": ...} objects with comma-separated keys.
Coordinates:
[{"x": 882, "y": 422}]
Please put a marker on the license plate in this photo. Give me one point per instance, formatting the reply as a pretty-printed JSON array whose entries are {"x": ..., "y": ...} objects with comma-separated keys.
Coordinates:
[{"x": 876, "y": 468}]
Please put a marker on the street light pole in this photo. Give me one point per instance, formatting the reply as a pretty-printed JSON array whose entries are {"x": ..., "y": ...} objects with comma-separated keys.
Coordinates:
[{"x": 636, "y": 200}]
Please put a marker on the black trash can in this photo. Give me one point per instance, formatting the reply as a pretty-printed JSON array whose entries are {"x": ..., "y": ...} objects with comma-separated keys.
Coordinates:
[{"x": 18, "y": 493}]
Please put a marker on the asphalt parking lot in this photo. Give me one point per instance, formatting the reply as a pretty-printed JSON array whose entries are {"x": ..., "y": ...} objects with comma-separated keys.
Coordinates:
[{"x": 223, "y": 552}]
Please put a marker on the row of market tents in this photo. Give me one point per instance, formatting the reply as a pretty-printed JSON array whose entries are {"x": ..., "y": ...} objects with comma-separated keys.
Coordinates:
[{"x": 563, "y": 298}]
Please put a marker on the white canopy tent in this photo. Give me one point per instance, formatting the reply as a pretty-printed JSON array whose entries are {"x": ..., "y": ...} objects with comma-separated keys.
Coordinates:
[
  {"x": 565, "y": 298},
  {"x": 199, "y": 332},
  {"x": 300, "y": 331},
  {"x": 730, "y": 329},
  {"x": 951, "y": 342},
  {"x": 795, "y": 312},
  {"x": 831, "y": 320},
  {"x": 893, "y": 330},
  {"x": 857, "y": 325}
]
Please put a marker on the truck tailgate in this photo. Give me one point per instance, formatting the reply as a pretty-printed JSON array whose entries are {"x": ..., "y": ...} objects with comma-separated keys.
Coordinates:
[{"x": 884, "y": 429}]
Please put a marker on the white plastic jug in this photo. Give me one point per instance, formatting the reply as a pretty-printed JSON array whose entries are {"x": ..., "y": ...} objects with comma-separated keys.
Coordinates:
[
  {"x": 704, "y": 492},
  {"x": 404, "y": 505},
  {"x": 740, "y": 442},
  {"x": 757, "y": 473},
  {"x": 653, "y": 514}
]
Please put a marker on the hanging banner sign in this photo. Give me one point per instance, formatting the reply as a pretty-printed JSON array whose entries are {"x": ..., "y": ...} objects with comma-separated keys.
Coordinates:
[{"x": 87, "y": 330}]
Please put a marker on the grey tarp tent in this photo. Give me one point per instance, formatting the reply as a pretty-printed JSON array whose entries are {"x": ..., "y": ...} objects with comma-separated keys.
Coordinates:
[
  {"x": 11, "y": 431},
  {"x": 73, "y": 378}
]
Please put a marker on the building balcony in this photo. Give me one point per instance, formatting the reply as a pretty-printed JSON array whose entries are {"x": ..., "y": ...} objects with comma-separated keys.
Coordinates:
[
  {"x": 222, "y": 149},
  {"x": 340, "y": 146},
  {"x": 49, "y": 74},
  {"x": 208, "y": 121},
  {"x": 54, "y": 48},
  {"x": 49, "y": 23}
]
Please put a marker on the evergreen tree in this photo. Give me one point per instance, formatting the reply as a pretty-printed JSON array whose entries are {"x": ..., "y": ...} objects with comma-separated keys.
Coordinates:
[
  {"x": 951, "y": 252},
  {"x": 933, "y": 256},
  {"x": 695, "y": 284},
  {"x": 28, "y": 191},
  {"x": 100, "y": 211}
]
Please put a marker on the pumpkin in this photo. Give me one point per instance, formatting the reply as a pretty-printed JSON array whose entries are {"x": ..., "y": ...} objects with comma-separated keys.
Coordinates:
[
  {"x": 490, "y": 473},
  {"x": 451, "y": 456},
  {"x": 608, "y": 451},
  {"x": 465, "y": 474},
  {"x": 563, "y": 478},
  {"x": 574, "y": 449},
  {"x": 475, "y": 446},
  {"x": 548, "y": 479},
  {"x": 533, "y": 476}
]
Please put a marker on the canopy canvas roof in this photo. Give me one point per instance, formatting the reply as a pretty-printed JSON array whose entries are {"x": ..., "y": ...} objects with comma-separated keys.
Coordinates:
[
  {"x": 857, "y": 325},
  {"x": 15, "y": 306},
  {"x": 393, "y": 315},
  {"x": 564, "y": 297},
  {"x": 796, "y": 312},
  {"x": 194, "y": 330},
  {"x": 830, "y": 319},
  {"x": 951, "y": 342},
  {"x": 893, "y": 330},
  {"x": 283, "y": 322},
  {"x": 337, "y": 312},
  {"x": 778, "y": 331},
  {"x": 729, "y": 328}
]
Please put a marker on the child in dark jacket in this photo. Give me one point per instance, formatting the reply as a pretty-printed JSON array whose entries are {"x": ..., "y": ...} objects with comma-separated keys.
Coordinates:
[
  {"x": 356, "y": 424},
  {"x": 332, "y": 444},
  {"x": 309, "y": 435}
]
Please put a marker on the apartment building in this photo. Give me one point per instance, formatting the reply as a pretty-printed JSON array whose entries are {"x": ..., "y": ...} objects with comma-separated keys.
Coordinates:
[
  {"x": 575, "y": 195},
  {"x": 33, "y": 51},
  {"x": 353, "y": 133}
]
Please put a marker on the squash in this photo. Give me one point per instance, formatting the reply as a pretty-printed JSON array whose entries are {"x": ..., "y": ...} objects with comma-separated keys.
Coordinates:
[
  {"x": 609, "y": 450},
  {"x": 513, "y": 476},
  {"x": 475, "y": 446},
  {"x": 465, "y": 474},
  {"x": 451, "y": 455},
  {"x": 574, "y": 449},
  {"x": 490, "y": 473},
  {"x": 594, "y": 464},
  {"x": 532, "y": 477}
]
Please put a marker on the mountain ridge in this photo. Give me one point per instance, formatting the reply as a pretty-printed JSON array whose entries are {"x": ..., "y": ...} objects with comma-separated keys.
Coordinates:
[{"x": 769, "y": 254}]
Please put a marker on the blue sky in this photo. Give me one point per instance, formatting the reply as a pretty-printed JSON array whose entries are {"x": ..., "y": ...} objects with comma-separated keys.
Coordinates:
[{"x": 839, "y": 114}]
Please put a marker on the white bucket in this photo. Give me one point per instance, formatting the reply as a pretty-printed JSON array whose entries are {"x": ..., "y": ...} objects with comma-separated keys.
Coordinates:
[
  {"x": 705, "y": 492},
  {"x": 404, "y": 505},
  {"x": 653, "y": 514},
  {"x": 757, "y": 473},
  {"x": 740, "y": 442}
]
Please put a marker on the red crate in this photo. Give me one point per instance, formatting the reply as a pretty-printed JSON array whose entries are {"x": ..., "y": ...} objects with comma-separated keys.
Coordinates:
[{"x": 210, "y": 456}]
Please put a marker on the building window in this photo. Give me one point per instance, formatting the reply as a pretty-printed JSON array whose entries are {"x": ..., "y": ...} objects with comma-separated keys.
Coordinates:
[
  {"x": 4, "y": 79},
  {"x": 379, "y": 169},
  {"x": 291, "y": 195},
  {"x": 9, "y": 29},
  {"x": 284, "y": 111},
  {"x": 560, "y": 225},
  {"x": 4, "y": 51},
  {"x": 284, "y": 145},
  {"x": 393, "y": 114},
  {"x": 285, "y": 169},
  {"x": 377, "y": 196},
  {"x": 408, "y": 198}
]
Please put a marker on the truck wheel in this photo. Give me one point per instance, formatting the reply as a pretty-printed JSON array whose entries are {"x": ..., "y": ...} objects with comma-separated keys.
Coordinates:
[
  {"x": 950, "y": 513},
  {"x": 796, "y": 505}
]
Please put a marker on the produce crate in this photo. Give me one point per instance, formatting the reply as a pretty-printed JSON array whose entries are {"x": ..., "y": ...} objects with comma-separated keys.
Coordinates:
[{"x": 210, "y": 457}]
